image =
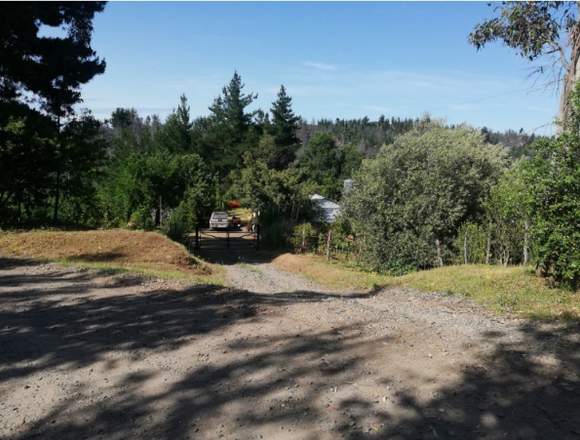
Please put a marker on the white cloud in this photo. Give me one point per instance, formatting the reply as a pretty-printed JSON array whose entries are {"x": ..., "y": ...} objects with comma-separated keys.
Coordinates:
[{"x": 319, "y": 66}]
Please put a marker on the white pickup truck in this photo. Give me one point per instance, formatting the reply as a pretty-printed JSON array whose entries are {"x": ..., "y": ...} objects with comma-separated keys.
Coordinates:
[{"x": 219, "y": 220}]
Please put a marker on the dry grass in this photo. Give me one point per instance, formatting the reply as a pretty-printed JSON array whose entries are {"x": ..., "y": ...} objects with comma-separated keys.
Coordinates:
[
  {"x": 144, "y": 252},
  {"x": 245, "y": 214},
  {"x": 333, "y": 275},
  {"x": 515, "y": 290}
]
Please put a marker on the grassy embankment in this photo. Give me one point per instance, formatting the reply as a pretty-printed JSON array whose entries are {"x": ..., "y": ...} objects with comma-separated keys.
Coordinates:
[
  {"x": 514, "y": 290},
  {"x": 147, "y": 253}
]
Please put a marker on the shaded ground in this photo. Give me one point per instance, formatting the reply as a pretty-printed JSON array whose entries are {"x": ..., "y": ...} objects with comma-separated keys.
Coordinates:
[{"x": 86, "y": 355}]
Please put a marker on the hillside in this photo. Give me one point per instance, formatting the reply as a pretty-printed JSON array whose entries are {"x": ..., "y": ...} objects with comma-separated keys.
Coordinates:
[{"x": 147, "y": 252}]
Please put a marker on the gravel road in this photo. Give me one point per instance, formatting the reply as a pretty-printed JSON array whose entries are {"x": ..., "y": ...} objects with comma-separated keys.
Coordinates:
[
  {"x": 90, "y": 355},
  {"x": 265, "y": 278}
]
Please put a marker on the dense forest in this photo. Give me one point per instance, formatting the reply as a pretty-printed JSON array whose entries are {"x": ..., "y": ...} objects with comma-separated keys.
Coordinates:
[{"x": 424, "y": 194}]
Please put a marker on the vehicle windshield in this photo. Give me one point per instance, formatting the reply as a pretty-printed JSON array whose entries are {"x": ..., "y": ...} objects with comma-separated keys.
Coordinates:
[{"x": 220, "y": 215}]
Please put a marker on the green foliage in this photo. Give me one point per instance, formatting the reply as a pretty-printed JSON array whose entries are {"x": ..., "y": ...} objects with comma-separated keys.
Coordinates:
[
  {"x": 364, "y": 135},
  {"x": 27, "y": 152},
  {"x": 471, "y": 243},
  {"x": 155, "y": 181},
  {"x": 180, "y": 222},
  {"x": 141, "y": 219},
  {"x": 532, "y": 28},
  {"x": 50, "y": 69},
  {"x": 408, "y": 203},
  {"x": 283, "y": 128},
  {"x": 553, "y": 178},
  {"x": 304, "y": 237},
  {"x": 175, "y": 135},
  {"x": 230, "y": 130},
  {"x": 327, "y": 165},
  {"x": 507, "y": 211}
]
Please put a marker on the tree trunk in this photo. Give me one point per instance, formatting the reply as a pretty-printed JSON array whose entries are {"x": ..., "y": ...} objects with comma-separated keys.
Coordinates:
[
  {"x": 56, "y": 198},
  {"x": 465, "y": 248},
  {"x": 58, "y": 173},
  {"x": 572, "y": 76},
  {"x": 525, "y": 250},
  {"x": 439, "y": 257},
  {"x": 328, "y": 238}
]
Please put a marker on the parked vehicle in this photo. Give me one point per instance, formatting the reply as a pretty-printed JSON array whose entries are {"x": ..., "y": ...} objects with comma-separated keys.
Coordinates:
[{"x": 219, "y": 220}]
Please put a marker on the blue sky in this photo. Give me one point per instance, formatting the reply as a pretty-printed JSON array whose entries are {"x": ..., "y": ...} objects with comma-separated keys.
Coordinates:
[{"x": 342, "y": 60}]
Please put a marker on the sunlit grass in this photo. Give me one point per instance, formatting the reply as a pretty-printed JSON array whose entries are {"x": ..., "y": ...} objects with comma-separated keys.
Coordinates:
[
  {"x": 146, "y": 253},
  {"x": 515, "y": 290}
]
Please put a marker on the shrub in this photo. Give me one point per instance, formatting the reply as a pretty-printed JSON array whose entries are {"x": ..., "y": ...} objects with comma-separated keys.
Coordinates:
[
  {"x": 553, "y": 179},
  {"x": 471, "y": 244},
  {"x": 304, "y": 238},
  {"x": 141, "y": 219},
  {"x": 179, "y": 223},
  {"x": 408, "y": 203}
]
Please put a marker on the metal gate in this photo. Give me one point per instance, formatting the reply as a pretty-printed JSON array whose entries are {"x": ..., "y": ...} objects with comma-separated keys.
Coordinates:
[{"x": 206, "y": 241}]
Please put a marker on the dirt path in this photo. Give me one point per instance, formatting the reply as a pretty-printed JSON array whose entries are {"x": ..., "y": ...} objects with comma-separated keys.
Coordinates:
[
  {"x": 93, "y": 356},
  {"x": 265, "y": 278}
]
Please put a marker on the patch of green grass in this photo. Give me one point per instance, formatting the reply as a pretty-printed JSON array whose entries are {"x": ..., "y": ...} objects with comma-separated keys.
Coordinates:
[
  {"x": 515, "y": 290},
  {"x": 333, "y": 274}
]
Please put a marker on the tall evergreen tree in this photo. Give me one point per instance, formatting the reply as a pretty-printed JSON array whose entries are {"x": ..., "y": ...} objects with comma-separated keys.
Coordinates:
[
  {"x": 230, "y": 108},
  {"x": 230, "y": 126},
  {"x": 284, "y": 128},
  {"x": 48, "y": 70},
  {"x": 52, "y": 69},
  {"x": 176, "y": 133}
]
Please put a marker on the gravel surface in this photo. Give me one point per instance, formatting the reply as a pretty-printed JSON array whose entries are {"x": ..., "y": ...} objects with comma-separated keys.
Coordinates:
[
  {"x": 89, "y": 355},
  {"x": 265, "y": 278}
]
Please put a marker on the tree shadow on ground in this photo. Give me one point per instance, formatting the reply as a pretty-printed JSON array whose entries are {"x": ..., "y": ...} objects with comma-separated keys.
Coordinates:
[
  {"x": 280, "y": 380},
  {"x": 235, "y": 256},
  {"x": 109, "y": 256},
  {"x": 524, "y": 389}
]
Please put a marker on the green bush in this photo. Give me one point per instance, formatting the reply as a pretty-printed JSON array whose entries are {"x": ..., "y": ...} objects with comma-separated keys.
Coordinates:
[
  {"x": 179, "y": 223},
  {"x": 553, "y": 178},
  {"x": 304, "y": 238},
  {"x": 408, "y": 203},
  {"x": 141, "y": 219},
  {"x": 471, "y": 240}
]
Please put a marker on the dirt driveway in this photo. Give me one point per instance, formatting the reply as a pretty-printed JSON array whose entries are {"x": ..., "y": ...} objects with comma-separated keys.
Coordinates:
[{"x": 85, "y": 355}]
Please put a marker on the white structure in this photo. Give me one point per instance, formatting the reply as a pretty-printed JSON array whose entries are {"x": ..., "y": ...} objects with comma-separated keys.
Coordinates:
[
  {"x": 346, "y": 186},
  {"x": 328, "y": 209}
]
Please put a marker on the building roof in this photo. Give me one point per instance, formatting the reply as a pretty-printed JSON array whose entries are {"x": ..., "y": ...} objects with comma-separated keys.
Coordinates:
[{"x": 323, "y": 202}]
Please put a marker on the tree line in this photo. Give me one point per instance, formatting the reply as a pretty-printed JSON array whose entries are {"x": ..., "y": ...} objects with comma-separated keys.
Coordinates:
[{"x": 424, "y": 193}]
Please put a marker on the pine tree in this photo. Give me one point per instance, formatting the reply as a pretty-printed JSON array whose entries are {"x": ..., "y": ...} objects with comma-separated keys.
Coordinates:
[
  {"x": 284, "y": 128},
  {"x": 229, "y": 108},
  {"x": 175, "y": 135},
  {"x": 229, "y": 128}
]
